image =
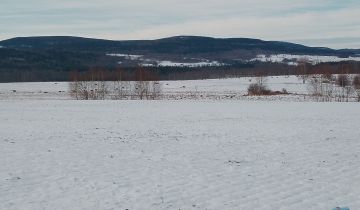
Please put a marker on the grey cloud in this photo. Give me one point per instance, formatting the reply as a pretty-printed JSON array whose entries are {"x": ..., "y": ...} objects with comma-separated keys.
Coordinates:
[{"x": 145, "y": 19}]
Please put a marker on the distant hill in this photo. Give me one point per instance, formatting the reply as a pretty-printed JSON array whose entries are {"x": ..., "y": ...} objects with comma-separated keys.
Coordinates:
[
  {"x": 62, "y": 53},
  {"x": 172, "y": 45}
]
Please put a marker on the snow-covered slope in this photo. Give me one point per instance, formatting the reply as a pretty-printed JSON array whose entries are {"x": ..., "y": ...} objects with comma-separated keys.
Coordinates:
[
  {"x": 196, "y": 64},
  {"x": 126, "y": 56},
  {"x": 154, "y": 62},
  {"x": 295, "y": 59},
  {"x": 275, "y": 58}
]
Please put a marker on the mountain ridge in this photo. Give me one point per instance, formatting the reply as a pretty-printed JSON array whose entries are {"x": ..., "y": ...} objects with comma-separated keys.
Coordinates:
[
  {"x": 231, "y": 43},
  {"x": 45, "y": 55}
]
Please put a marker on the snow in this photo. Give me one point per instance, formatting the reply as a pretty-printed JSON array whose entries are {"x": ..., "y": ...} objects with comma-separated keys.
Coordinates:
[
  {"x": 126, "y": 56},
  {"x": 281, "y": 58},
  {"x": 151, "y": 62},
  {"x": 66, "y": 154},
  {"x": 278, "y": 58},
  {"x": 196, "y": 64},
  {"x": 235, "y": 85},
  {"x": 147, "y": 64},
  {"x": 34, "y": 90},
  {"x": 231, "y": 86}
]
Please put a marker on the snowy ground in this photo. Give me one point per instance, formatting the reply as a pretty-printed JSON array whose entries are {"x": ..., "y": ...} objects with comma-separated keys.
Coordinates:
[
  {"x": 65, "y": 154},
  {"x": 236, "y": 86},
  {"x": 57, "y": 153}
]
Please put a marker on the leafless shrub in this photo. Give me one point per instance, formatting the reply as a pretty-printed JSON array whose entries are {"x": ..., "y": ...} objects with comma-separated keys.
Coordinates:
[
  {"x": 95, "y": 85},
  {"x": 147, "y": 85},
  {"x": 83, "y": 91},
  {"x": 141, "y": 89},
  {"x": 315, "y": 87},
  {"x": 99, "y": 90},
  {"x": 121, "y": 90},
  {"x": 80, "y": 90},
  {"x": 260, "y": 79},
  {"x": 303, "y": 69},
  {"x": 258, "y": 89},
  {"x": 328, "y": 77},
  {"x": 321, "y": 87},
  {"x": 344, "y": 82},
  {"x": 356, "y": 85},
  {"x": 74, "y": 89},
  {"x": 91, "y": 90},
  {"x": 284, "y": 91},
  {"x": 155, "y": 90},
  {"x": 328, "y": 91},
  {"x": 88, "y": 86}
]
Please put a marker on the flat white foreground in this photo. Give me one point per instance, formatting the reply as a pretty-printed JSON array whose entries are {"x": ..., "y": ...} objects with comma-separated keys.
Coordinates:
[{"x": 144, "y": 155}]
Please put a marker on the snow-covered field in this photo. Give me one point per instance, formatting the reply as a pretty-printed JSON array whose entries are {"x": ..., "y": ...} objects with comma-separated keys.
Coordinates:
[
  {"x": 66, "y": 154},
  {"x": 235, "y": 86},
  {"x": 260, "y": 153}
]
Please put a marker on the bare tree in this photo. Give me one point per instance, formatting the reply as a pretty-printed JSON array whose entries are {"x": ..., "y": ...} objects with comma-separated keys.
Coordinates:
[
  {"x": 89, "y": 86},
  {"x": 327, "y": 83},
  {"x": 344, "y": 82},
  {"x": 315, "y": 87},
  {"x": 96, "y": 85},
  {"x": 121, "y": 88},
  {"x": 155, "y": 89},
  {"x": 79, "y": 88},
  {"x": 356, "y": 84},
  {"x": 147, "y": 85},
  {"x": 260, "y": 78},
  {"x": 259, "y": 87},
  {"x": 102, "y": 88},
  {"x": 302, "y": 69},
  {"x": 327, "y": 75},
  {"x": 74, "y": 85},
  {"x": 321, "y": 87},
  {"x": 84, "y": 90},
  {"x": 328, "y": 91},
  {"x": 141, "y": 89},
  {"x": 141, "y": 85}
]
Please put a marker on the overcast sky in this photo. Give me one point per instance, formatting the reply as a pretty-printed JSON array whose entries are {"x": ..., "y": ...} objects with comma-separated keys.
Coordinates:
[{"x": 330, "y": 23}]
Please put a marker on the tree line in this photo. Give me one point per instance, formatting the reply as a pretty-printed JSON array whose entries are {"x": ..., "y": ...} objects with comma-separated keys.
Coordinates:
[{"x": 184, "y": 73}]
